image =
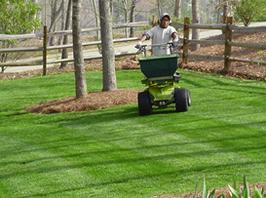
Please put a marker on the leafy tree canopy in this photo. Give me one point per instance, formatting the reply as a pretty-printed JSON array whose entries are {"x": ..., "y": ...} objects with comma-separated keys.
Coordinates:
[
  {"x": 18, "y": 16},
  {"x": 249, "y": 10}
]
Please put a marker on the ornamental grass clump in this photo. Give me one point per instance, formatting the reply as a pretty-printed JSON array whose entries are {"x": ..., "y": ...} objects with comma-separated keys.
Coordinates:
[
  {"x": 205, "y": 192},
  {"x": 245, "y": 192}
]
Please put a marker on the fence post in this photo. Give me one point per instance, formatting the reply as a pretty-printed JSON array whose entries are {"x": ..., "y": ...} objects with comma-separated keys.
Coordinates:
[
  {"x": 228, "y": 47},
  {"x": 185, "y": 40},
  {"x": 44, "y": 54}
]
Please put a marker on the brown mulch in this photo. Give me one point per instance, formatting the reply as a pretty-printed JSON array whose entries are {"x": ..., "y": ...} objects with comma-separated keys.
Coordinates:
[
  {"x": 93, "y": 101},
  {"x": 224, "y": 191},
  {"x": 242, "y": 70}
]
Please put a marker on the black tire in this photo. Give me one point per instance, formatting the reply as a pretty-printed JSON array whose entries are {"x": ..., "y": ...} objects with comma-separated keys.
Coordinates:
[
  {"x": 189, "y": 101},
  {"x": 181, "y": 97},
  {"x": 144, "y": 103}
]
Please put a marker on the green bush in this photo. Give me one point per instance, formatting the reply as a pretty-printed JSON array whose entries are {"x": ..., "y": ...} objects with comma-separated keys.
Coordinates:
[
  {"x": 18, "y": 16},
  {"x": 261, "y": 16},
  {"x": 249, "y": 10}
]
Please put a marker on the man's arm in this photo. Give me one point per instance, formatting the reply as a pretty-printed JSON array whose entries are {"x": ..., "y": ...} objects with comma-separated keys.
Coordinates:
[
  {"x": 175, "y": 40},
  {"x": 144, "y": 37},
  {"x": 174, "y": 37}
]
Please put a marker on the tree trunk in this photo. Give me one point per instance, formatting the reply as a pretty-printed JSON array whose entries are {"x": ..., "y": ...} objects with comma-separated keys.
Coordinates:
[
  {"x": 55, "y": 13},
  {"x": 177, "y": 8},
  {"x": 38, "y": 14},
  {"x": 219, "y": 20},
  {"x": 62, "y": 18},
  {"x": 111, "y": 7},
  {"x": 225, "y": 10},
  {"x": 97, "y": 22},
  {"x": 52, "y": 38},
  {"x": 125, "y": 7},
  {"x": 132, "y": 16},
  {"x": 53, "y": 6},
  {"x": 195, "y": 19},
  {"x": 65, "y": 40},
  {"x": 109, "y": 76},
  {"x": 159, "y": 8},
  {"x": 80, "y": 81}
]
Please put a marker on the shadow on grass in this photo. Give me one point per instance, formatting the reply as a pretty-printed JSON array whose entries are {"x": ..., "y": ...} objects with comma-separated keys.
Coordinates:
[
  {"x": 113, "y": 136},
  {"x": 17, "y": 113},
  {"x": 241, "y": 90},
  {"x": 105, "y": 117},
  {"x": 142, "y": 148},
  {"x": 134, "y": 160},
  {"x": 209, "y": 169},
  {"x": 194, "y": 83},
  {"x": 220, "y": 84}
]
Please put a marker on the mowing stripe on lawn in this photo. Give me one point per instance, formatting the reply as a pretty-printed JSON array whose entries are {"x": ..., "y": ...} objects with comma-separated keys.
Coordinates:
[{"x": 115, "y": 153}]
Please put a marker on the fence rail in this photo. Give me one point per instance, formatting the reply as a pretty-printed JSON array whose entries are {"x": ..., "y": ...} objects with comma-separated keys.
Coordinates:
[
  {"x": 45, "y": 48},
  {"x": 4, "y": 37},
  {"x": 199, "y": 57},
  {"x": 228, "y": 30},
  {"x": 258, "y": 62},
  {"x": 259, "y": 46},
  {"x": 207, "y": 26},
  {"x": 238, "y": 29},
  {"x": 208, "y": 42},
  {"x": 234, "y": 28},
  {"x": 67, "y": 32},
  {"x": 34, "y": 49}
]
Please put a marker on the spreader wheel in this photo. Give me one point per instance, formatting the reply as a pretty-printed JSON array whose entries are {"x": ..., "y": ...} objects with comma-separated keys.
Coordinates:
[
  {"x": 182, "y": 100},
  {"x": 144, "y": 103}
]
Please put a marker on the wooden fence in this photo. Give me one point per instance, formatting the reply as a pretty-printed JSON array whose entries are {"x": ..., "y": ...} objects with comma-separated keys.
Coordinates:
[
  {"x": 45, "y": 48},
  {"x": 228, "y": 29}
]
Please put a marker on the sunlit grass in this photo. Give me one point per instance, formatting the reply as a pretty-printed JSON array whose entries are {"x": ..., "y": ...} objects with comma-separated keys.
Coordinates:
[{"x": 116, "y": 153}]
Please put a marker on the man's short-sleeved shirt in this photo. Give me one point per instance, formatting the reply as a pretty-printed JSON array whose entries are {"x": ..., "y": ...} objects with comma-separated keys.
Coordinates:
[{"x": 160, "y": 36}]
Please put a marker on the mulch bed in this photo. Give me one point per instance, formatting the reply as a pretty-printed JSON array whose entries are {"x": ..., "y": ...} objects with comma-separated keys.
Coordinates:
[
  {"x": 93, "y": 101},
  {"x": 241, "y": 70},
  {"x": 224, "y": 191}
]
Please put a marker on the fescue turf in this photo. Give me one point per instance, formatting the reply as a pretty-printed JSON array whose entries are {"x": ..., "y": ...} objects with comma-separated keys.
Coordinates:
[{"x": 116, "y": 153}]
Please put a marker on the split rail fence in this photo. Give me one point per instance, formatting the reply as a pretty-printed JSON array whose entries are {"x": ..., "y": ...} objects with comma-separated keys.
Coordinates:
[
  {"x": 228, "y": 29},
  {"x": 45, "y": 48}
]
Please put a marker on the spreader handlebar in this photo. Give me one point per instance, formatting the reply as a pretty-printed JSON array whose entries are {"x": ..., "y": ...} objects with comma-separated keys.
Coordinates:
[{"x": 142, "y": 48}]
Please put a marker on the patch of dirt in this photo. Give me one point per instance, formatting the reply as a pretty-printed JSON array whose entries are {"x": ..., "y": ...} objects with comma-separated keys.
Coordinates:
[
  {"x": 224, "y": 191},
  {"x": 93, "y": 101}
]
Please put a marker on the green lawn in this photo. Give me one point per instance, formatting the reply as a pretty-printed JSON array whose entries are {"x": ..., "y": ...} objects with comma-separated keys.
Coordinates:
[{"x": 116, "y": 153}]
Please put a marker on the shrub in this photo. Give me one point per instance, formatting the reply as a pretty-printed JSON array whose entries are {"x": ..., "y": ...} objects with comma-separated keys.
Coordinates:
[{"x": 248, "y": 10}]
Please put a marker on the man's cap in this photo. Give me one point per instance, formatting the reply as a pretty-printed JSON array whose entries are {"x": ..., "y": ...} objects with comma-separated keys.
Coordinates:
[{"x": 165, "y": 15}]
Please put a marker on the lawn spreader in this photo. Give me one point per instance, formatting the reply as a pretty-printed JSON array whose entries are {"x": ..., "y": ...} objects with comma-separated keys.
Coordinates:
[{"x": 162, "y": 82}]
